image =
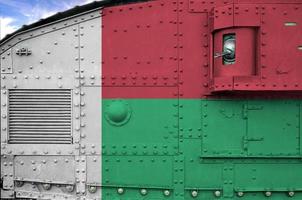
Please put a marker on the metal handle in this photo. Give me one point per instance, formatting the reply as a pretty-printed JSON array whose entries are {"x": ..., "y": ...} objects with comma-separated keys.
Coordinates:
[{"x": 217, "y": 55}]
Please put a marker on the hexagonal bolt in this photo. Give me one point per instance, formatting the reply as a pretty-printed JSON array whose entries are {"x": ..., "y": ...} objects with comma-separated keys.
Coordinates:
[
  {"x": 69, "y": 188},
  {"x": 143, "y": 192},
  {"x": 268, "y": 193},
  {"x": 217, "y": 193},
  {"x": 240, "y": 194},
  {"x": 46, "y": 186},
  {"x": 92, "y": 189},
  {"x": 291, "y": 193},
  {"x": 120, "y": 190},
  {"x": 194, "y": 193},
  {"x": 166, "y": 192}
]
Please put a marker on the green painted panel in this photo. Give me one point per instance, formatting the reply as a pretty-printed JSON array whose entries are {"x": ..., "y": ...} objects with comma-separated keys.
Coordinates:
[
  {"x": 190, "y": 118},
  {"x": 138, "y": 171},
  {"x": 224, "y": 127},
  {"x": 273, "y": 128},
  {"x": 146, "y": 127},
  {"x": 222, "y": 147},
  {"x": 197, "y": 173},
  {"x": 282, "y": 176}
]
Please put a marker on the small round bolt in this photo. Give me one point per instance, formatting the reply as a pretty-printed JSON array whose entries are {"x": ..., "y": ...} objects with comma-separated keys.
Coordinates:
[
  {"x": 268, "y": 193},
  {"x": 240, "y": 194},
  {"x": 194, "y": 193},
  {"x": 144, "y": 192},
  {"x": 291, "y": 193},
  {"x": 166, "y": 192},
  {"x": 46, "y": 186},
  {"x": 69, "y": 188},
  {"x": 92, "y": 189},
  {"x": 19, "y": 183},
  {"x": 120, "y": 190},
  {"x": 217, "y": 193}
]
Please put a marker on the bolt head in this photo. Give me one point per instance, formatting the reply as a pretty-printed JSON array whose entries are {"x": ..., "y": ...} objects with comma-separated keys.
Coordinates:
[
  {"x": 240, "y": 194},
  {"x": 46, "y": 186},
  {"x": 144, "y": 191},
  {"x": 120, "y": 190},
  {"x": 92, "y": 189},
  {"x": 268, "y": 193},
  {"x": 69, "y": 188},
  {"x": 217, "y": 193},
  {"x": 194, "y": 193},
  {"x": 291, "y": 193},
  {"x": 19, "y": 183},
  {"x": 166, "y": 192}
]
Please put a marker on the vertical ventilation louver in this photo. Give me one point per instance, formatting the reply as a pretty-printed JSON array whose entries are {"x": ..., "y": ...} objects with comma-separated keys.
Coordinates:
[{"x": 40, "y": 116}]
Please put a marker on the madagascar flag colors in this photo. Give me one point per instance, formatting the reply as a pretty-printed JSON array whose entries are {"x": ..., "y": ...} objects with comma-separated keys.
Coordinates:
[{"x": 179, "y": 122}]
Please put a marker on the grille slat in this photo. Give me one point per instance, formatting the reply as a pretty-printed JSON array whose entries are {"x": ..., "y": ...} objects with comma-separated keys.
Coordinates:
[{"x": 40, "y": 116}]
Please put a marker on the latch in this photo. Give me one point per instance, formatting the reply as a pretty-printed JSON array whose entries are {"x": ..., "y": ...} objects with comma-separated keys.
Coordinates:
[
  {"x": 23, "y": 52},
  {"x": 246, "y": 108}
]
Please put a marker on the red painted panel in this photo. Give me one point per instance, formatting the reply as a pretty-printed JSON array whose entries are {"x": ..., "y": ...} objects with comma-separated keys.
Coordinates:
[
  {"x": 223, "y": 17},
  {"x": 281, "y": 59},
  {"x": 194, "y": 55},
  {"x": 246, "y": 15},
  {"x": 140, "y": 44},
  {"x": 196, "y": 6},
  {"x": 139, "y": 92}
]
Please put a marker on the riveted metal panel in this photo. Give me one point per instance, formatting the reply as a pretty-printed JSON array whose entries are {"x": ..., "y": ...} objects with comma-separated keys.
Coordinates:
[
  {"x": 150, "y": 171},
  {"x": 141, "y": 44},
  {"x": 94, "y": 170},
  {"x": 6, "y": 62},
  {"x": 45, "y": 169},
  {"x": 91, "y": 132},
  {"x": 4, "y": 118},
  {"x": 197, "y": 6},
  {"x": 148, "y": 128},
  {"x": 269, "y": 125},
  {"x": 229, "y": 117},
  {"x": 7, "y": 173},
  {"x": 90, "y": 51}
]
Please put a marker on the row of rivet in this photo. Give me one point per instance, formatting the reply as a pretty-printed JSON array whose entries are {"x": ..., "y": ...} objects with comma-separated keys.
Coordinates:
[
  {"x": 142, "y": 191},
  {"x": 217, "y": 193},
  {"x": 43, "y": 31}
]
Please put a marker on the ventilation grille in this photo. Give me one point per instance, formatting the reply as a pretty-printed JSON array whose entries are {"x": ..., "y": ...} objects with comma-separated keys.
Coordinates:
[{"x": 40, "y": 116}]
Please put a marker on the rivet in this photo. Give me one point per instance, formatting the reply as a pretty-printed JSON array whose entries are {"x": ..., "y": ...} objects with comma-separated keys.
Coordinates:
[
  {"x": 240, "y": 194},
  {"x": 143, "y": 192},
  {"x": 217, "y": 193},
  {"x": 166, "y": 192},
  {"x": 268, "y": 193},
  {"x": 46, "y": 186},
  {"x": 194, "y": 193},
  {"x": 120, "y": 190},
  {"x": 291, "y": 193},
  {"x": 92, "y": 189}
]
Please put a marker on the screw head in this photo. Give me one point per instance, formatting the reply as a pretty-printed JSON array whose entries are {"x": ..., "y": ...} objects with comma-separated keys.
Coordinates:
[
  {"x": 120, "y": 190},
  {"x": 240, "y": 194},
  {"x": 19, "y": 183},
  {"x": 69, "y": 188},
  {"x": 144, "y": 191},
  {"x": 92, "y": 189},
  {"x": 194, "y": 193},
  {"x": 166, "y": 192},
  {"x": 46, "y": 186},
  {"x": 217, "y": 193},
  {"x": 268, "y": 193},
  {"x": 291, "y": 193}
]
